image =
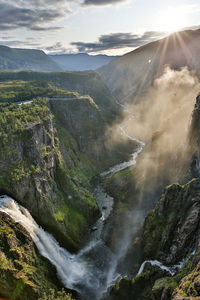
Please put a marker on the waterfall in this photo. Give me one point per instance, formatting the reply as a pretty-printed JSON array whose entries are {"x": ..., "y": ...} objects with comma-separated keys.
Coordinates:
[
  {"x": 71, "y": 270},
  {"x": 85, "y": 272}
]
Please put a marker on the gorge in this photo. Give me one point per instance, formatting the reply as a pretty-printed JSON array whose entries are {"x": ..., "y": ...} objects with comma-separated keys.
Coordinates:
[{"x": 100, "y": 187}]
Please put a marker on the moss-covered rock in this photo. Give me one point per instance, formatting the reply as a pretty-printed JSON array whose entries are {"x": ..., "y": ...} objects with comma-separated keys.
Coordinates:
[
  {"x": 170, "y": 229},
  {"x": 24, "y": 274},
  {"x": 140, "y": 288}
]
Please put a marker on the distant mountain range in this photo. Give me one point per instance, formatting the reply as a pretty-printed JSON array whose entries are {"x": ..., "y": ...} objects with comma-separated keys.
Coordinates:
[
  {"x": 26, "y": 59},
  {"x": 37, "y": 60},
  {"x": 130, "y": 75},
  {"x": 81, "y": 62}
]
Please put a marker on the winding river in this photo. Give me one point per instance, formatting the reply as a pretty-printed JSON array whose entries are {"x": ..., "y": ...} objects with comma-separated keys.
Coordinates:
[{"x": 93, "y": 269}]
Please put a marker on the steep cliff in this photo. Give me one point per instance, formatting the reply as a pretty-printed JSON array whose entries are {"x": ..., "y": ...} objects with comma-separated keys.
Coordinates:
[
  {"x": 87, "y": 124},
  {"x": 53, "y": 186},
  {"x": 170, "y": 235}
]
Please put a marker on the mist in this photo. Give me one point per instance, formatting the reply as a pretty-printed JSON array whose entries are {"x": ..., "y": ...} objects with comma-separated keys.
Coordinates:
[{"x": 161, "y": 119}]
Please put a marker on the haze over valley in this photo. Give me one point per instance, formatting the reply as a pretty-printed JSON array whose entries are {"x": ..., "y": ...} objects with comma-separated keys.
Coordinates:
[{"x": 99, "y": 150}]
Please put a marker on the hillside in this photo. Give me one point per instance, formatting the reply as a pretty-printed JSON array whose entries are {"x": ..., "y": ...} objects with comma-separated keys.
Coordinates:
[
  {"x": 130, "y": 75},
  {"x": 85, "y": 83},
  {"x": 81, "y": 61},
  {"x": 18, "y": 90},
  {"x": 25, "y": 59}
]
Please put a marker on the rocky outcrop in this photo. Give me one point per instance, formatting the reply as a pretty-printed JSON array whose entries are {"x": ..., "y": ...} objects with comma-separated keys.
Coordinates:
[
  {"x": 139, "y": 288},
  {"x": 189, "y": 287},
  {"x": 171, "y": 229},
  {"x": 24, "y": 274},
  {"x": 170, "y": 235}
]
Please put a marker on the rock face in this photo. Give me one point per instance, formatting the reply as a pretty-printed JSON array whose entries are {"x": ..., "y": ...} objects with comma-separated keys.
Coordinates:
[
  {"x": 86, "y": 123},
  {"x": 24, "y": 274},
  {"x": 83, "y": 119},
  {"x": 139, "y": 288},
  {"x": 53, "y": 186},
  {"x": 170, "y": 235},
  {"x": 171, "y": 229}
]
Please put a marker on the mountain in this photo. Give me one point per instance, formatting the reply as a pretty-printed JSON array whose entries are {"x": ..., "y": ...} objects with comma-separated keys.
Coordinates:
[
  {"x": 130, "y": 75},
  {"x": 81, "y": 62},
  {"x": 26, "y": 59}
]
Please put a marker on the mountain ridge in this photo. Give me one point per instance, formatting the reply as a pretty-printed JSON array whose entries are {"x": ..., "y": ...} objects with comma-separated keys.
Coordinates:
[
  {"x": 130, "y": 75},
  {"x": 26, "y": 59},
  {"x": 81, "y": 61}
]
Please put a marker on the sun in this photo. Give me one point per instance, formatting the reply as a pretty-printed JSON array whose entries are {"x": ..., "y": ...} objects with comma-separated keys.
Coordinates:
[{"x": 171, "y": 19}]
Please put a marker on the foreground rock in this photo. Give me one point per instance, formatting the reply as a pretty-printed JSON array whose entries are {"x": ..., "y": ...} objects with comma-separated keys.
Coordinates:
[{"x": 24, "y": 274}]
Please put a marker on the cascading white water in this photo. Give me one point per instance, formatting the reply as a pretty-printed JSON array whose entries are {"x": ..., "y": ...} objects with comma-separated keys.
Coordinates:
[
  {"x": 172, "y": 270},
  {"x": 70, "y": 270},
  {"x": 158, "y": 264}
]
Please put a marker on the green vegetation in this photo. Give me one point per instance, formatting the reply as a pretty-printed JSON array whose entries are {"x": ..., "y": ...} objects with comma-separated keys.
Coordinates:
[
  {"x": 16, "y": 90},
  {"x": 29, "y": 145},
  {"x": 24, "y": 273},
  {"x": 73, "y": 178},
  {"x": 53, "y": 295},
  {"x": 25, "y": 59},
  {"x": 86, "y": 83},
  {"x": 15, "y": 120}
]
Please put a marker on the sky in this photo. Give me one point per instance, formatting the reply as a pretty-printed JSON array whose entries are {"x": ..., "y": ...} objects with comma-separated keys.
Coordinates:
[{"x": 111, "y": 27}]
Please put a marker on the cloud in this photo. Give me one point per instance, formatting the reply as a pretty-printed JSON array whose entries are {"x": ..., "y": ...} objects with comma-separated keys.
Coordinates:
[
  {"x": 117, "y": 41},
  {"x": 102, "y": 2},
  {"x": 57, "y": 48},
  {"x": 18, "y": 43},
  {"x": 32, "y": 14}
]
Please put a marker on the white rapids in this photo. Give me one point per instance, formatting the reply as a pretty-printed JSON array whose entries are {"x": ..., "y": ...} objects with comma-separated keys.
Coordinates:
[
  {"x": 172, "y": 270},
  {"x": 155, "y": 263}
]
